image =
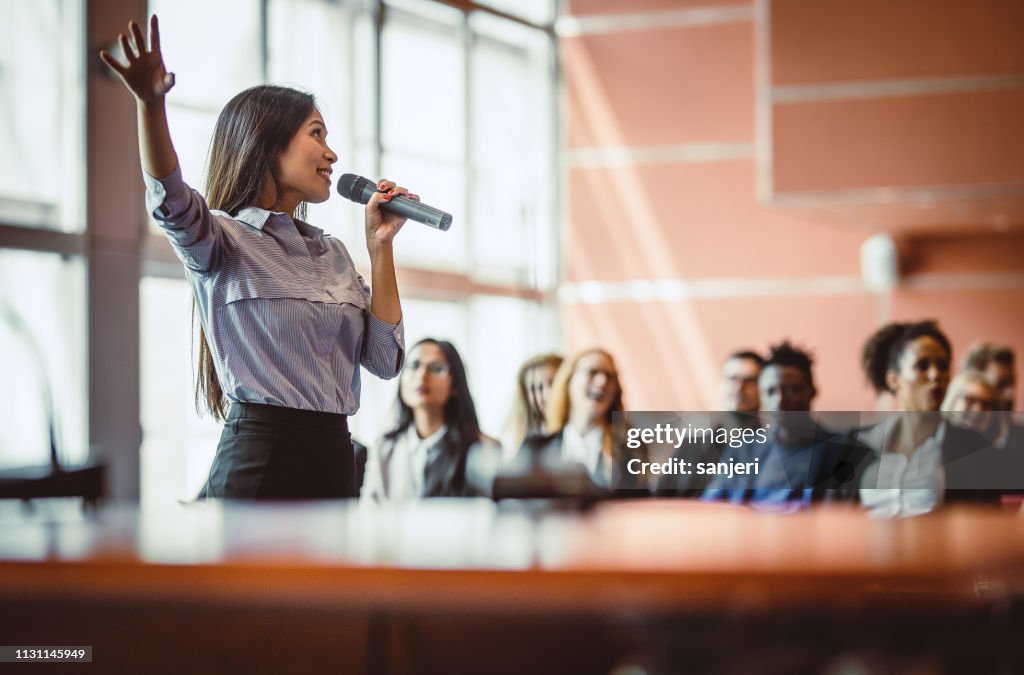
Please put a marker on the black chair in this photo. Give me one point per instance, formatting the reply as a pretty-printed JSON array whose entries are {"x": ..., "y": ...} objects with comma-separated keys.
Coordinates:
[{"x": 39, "y": 482}]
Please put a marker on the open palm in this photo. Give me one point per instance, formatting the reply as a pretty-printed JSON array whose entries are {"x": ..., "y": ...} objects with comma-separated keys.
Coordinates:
[{"x": 144, "y": 74}]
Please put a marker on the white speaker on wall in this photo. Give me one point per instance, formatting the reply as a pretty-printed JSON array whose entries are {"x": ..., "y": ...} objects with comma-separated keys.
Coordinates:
[{"x": 880, "y": 263}]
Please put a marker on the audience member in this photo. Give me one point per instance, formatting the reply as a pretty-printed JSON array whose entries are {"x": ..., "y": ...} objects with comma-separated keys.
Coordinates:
[
  {"x": 533, "y": 384},
  {"x": 919, "y": 460},
  {"x": 586, "y": 392},
  {"x": 739, "y": 401},
  {"x": 800, "y": 457},
  {"x": 970, "y": 402},
  {"x": 738, "y": 386},
  {"x": 996, "y": 364},
  {"x": 436, "y": 435}
]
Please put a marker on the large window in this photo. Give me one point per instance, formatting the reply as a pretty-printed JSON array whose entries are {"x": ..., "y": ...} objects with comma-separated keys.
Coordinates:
[
  {"x": 423, "y": 125},
  {"x": 457, "y": 105},
  {"x": 511, "y": 135},
  {"x": 42, "y": 276}
]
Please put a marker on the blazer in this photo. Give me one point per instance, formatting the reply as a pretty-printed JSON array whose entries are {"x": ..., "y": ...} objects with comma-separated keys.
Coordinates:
[
  {"x": 445, "y": 474},
  {"x": 829, "y": 475},
  {"x": 544, "y": 453},
  {"x": 974, "y": 469}
]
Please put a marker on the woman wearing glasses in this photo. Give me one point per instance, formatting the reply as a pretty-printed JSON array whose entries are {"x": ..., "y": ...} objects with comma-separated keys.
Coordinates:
[{"x": 436, "y": 436}]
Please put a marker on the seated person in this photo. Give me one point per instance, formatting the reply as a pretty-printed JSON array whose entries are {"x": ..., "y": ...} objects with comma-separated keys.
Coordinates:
[
  {"x": 920, "y": 461},
  {"x": 801, "y": 460},
  {"x": 996, "y": 364},
  {"x": 970, "y": 402},
  {"x": 586, "y": 392},
  {"x": 533, "y": 384},
  {"x": 436, "y": 436},
  {"x": 739, "y": 403}
]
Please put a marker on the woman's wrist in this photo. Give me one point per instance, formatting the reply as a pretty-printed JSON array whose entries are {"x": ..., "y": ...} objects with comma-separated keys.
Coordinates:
[
  {"x": 154, "y": 106},
  {"x": 380, "y": 249}
]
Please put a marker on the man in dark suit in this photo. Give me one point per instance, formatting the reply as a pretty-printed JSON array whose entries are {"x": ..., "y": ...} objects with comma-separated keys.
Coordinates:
[
  {"x": 801, "y": 460},
  {"x": 739, "y": 404}
]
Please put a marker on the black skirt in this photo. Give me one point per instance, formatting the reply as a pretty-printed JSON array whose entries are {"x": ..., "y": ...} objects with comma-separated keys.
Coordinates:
[{"x": 270, "y": 452}]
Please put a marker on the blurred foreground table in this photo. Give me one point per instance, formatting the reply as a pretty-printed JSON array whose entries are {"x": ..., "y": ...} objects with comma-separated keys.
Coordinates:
[{"x": 464, "y": 585}]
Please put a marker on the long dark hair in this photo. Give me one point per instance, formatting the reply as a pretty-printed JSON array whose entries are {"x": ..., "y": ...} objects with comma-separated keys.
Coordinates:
[
  {"x": 252, "y": 131},
  {"x": 460, "y": 418}
]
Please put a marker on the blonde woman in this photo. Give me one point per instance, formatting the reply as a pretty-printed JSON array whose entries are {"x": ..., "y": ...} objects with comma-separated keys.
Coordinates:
[
  {"x": 585, "y": 393},
  {"x": 533, "y": 386}
]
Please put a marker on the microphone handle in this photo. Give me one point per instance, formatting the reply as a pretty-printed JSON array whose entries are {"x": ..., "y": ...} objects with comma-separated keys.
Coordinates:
[{"x": 418, "y": 211}]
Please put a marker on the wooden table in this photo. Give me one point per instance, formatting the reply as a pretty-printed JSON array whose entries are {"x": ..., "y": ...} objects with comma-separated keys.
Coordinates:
[{"x": 371, "y": 585}]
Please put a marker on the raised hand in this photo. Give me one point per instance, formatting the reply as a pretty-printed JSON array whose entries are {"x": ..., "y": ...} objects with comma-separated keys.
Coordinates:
[{"x": 144, "y": 74}]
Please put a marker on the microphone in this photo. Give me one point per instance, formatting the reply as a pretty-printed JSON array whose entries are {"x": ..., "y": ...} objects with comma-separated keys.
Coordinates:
[{"x": 359, "y": 189}]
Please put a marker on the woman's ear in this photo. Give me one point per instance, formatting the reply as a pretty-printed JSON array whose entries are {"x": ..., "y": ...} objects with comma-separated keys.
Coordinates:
[{"x": 892, "y": 380}]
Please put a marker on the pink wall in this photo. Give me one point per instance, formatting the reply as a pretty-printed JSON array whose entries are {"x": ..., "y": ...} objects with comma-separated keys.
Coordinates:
[{"x": 666, "y": 163}]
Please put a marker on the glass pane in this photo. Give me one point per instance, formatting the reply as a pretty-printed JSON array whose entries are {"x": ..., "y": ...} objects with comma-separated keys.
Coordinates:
[
  {"x": 512, "y": 102},
  {"x": 192, "y": 130},
  {"x": 177, "y": 445},
  {"x": 505, "y": 332},
  {"x": 326, "y": 31},
  {"x": 440, "y": 185},
  {"x": 200, "y": 90},
  {"x": 422, "y": 88},
  {"x": 536, "y": 11},
  {"x": 212, "y": 59},
  {"x": 42, "y": 358},
  {"x": 363, "y": 83},
  {"x": 41, "y": 113}
]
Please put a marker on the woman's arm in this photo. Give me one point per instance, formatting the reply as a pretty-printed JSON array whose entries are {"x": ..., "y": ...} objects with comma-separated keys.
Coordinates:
[
  {"x": 385, "y": 303},
  {"x": 383, "y": 352},
  {"x": 181, "y": 212},
  {"x": 381, "y": 228},
  {"x": 148, "y": 80}
]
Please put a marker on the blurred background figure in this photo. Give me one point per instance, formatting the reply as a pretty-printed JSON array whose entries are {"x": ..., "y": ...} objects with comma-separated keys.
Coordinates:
[
  {"x": 996, "y": 364},
  {"x": 800, "y": 455},
  {"x": 739, "y": 399},
  {"x": 533, "y": 384},
  {"x": 426, "y": 452},
  {"x": 586, "y": 392},
  {"x": 972, "y": 400},
  {"x": 909, "y": 361},
  {"x": 738, "y": 384},
  {"x": 918, "y": 456}
]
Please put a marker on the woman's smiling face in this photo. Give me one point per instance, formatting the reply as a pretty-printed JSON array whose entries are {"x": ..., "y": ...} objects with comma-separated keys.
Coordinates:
[{"x": 305, "y": 166}]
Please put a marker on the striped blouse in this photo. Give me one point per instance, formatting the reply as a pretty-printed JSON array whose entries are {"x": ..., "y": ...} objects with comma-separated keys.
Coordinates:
[{"x": 286, "y": 315}]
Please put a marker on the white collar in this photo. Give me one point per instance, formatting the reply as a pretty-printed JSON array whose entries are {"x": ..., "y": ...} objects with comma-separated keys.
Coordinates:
[
  {"x": 879, "y": 437},
  {"x": 414, "y": 440}
]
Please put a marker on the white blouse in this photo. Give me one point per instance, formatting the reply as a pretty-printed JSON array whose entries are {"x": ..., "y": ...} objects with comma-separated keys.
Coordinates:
[
  {"x": 395, "y": 471},
  {"x": 586, "y": 449},
  {"x": 896, "y": 484}
]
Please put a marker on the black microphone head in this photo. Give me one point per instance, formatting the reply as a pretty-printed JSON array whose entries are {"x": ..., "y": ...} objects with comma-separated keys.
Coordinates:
[{"x": 351, "y": 186}]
